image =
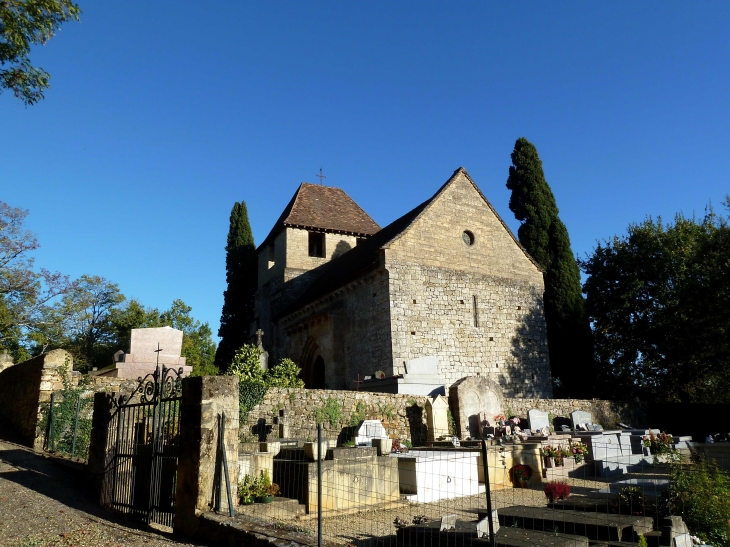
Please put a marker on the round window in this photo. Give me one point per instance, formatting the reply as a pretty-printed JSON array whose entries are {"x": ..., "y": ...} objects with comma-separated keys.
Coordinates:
[{"x": 468, "y": 237}]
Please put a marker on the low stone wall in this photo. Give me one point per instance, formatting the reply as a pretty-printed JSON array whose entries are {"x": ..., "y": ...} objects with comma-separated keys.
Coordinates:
[
  {"x": 403, "y": 416},
  {"x": 606, "y": 413},
  {"x": 25, "y": 387}
]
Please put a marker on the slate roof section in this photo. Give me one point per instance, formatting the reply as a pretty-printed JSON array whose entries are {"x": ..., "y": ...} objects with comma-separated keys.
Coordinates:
[
  {"x": 355, "y": 262},
  {"x": 324, "y": 208}
]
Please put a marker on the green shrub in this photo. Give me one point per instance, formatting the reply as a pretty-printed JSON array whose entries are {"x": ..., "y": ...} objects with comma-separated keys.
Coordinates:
[
  {"x": 247, "y": 364},
  {"x": 284, "y": 374},
  {"x": 64, "y": 417},
  {"x": 250, "y": 394},
  {"x": 331, "y": 412},
  {"x": 360, "y": 413},
  {"x": 700, "y": 494},
  {"x": 451, "y": 422}
]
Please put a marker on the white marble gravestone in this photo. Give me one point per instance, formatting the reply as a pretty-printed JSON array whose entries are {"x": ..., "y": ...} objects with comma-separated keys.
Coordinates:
[
  {"x": 483, "y": 525},
  {"x": 369, "y": 430},
  {"x": 538, "y": 419},
  {"x": 437, "y": 417}
]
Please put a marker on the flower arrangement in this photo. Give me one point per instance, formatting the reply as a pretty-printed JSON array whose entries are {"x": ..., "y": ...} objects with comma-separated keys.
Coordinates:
[
  {"x": 557, "y": 490},
  {"x": 247, "y": 489},
  {"x": 552, "y": 452},
  {"x": 420, "y": 519},
  {"x": 499, "y": 418},
  {"x": 257, "y": 488},
  {"x": 400, "y": 523},
  {"x": 578, "y": 450},
  {"x": 520, "y": 473},
  {"x": 658, "y": 444}
]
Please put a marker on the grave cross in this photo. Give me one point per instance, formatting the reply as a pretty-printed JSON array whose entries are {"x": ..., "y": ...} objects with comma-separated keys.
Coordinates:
[
  {"x": 259, "y": 338},
  {"x": 321, "y": 176}
]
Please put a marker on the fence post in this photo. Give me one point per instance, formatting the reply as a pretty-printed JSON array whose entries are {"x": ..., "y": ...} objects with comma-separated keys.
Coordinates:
[
  {"x": 225, "y": 464},
  {"x": 319, "y": 485},
  {"x": 76, "y": 425},
  {"x": 485, "y": 463},
  {"x": 51, "y": 444}
]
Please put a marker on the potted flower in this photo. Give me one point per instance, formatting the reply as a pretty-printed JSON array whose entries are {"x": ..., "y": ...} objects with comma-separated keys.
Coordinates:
[
  {"x": 557, "y": 490},
  {"x": 247, "y": 490},
  {"x": 266, "y": 490},
  {"x": 520, "y": 475},
  {"x": 578, "y": 451},
  {"x": 551, "y": 455}
]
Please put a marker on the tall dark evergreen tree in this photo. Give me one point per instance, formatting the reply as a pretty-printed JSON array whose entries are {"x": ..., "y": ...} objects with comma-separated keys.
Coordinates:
[
  {"x": 545, "y": 237},
  {"x": 241, "y": 276}
]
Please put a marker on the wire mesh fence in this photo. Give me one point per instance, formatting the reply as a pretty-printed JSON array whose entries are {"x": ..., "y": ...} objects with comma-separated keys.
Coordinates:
[
  {"x": 65, "y": 422},
  {"x": 362, "y": 485}
]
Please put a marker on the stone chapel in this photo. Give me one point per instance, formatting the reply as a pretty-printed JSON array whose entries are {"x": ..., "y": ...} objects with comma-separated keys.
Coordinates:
[{"x": 444, "y": 292}]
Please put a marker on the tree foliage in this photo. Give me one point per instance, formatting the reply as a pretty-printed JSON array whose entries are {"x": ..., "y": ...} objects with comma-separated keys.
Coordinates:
[
  {"x": 26, "y": 295},
  {"x": 24, "y": 23},
  {"x": 659, "y": 302},
  {"x": 545, "y": 238},
  {"x": 241, "y": 277}
]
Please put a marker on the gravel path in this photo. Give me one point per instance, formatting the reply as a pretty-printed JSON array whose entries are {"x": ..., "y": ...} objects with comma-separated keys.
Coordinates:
[{"x": 43, "y": 503}]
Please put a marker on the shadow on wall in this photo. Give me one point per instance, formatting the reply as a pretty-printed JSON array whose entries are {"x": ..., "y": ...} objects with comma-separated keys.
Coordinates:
[
  {"x": 419, "y": 431},
  {"x": 341, "y": 248},
  {"x": 529, "y": 369}
]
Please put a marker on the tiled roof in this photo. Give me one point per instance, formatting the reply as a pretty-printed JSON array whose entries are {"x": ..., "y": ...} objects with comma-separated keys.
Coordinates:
[
  {"x": 342, "y": 270},
  {"x": 323, "y": 208}
]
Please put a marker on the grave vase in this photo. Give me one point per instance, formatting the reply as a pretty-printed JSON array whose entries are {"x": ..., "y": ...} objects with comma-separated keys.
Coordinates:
[{"x": 549, "y": 463}]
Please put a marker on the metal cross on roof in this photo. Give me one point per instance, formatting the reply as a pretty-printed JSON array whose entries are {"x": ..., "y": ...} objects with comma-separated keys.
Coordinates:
[{"x": 321, "y": 176}]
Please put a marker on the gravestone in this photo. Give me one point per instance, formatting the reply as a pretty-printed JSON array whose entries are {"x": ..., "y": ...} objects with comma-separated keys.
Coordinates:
[
  {"x": 448, "y": 522},
  {"x": 6, "y": 360},
  {"x": 483, "y": 525},
  {"x": 581, "y": 417},
  {"x": 437, "y": 417},
  {"x": 538, "y": 419},
  {"x": 143, "y": 354},
  {"x": 682, "y": 540},
  {"x": 469, "y": 397},
  {"x": 369, "y": 430}
]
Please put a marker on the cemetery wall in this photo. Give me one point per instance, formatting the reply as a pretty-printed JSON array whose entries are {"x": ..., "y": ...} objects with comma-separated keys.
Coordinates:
[
  {"x": 26, "y": 386},
  {"x": 404, "y": 416},
  {"x": 606, "y": 413}
]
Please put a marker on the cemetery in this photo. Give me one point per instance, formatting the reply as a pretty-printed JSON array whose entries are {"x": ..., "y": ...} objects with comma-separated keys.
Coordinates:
[{"x": 390, "y": 467}]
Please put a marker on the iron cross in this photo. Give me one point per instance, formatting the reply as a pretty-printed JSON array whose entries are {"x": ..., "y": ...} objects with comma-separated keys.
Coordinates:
[{"x": 321, "y": 176}]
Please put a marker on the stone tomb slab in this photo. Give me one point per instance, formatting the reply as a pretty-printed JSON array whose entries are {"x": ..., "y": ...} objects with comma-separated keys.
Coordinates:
[
  {"x": 143, "y": 346},
  {"x": 538, "y": 419}
]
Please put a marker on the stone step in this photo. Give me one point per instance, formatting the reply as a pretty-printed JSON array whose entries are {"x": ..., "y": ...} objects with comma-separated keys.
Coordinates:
[
  {"x": 279, "y": 508},
  {"x": 596, "y": 526},
  {"x": 652, "y": 540},
  {"x": 464, "y": 535}
]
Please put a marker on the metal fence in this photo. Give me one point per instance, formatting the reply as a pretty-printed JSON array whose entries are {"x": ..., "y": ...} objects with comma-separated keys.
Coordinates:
[{"x": 358, "y": 485}]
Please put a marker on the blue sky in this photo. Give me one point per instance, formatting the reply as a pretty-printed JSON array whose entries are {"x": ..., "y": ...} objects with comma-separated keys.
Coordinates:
[{"x": 162, "y": 114}]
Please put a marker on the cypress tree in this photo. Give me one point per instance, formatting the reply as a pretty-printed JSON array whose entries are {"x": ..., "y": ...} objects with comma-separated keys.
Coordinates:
[
  {"x": 241, "y": 276},
  {"x": 545, "y": 238}
]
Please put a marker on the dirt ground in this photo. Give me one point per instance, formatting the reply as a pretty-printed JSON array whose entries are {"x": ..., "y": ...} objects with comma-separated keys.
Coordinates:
[{"x": 44, "y": 504}]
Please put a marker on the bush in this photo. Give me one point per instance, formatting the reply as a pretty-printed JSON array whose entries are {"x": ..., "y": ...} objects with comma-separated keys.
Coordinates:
[
  {"x": 557, "y": 490},
  {"x": 631, "y": 499},
  {"x": 330, "y": 412},
  {"x": 284, "y": 374},
  {"x": 249, "y": 395},
  {"x": 700, "y": 494},
  {"x": 247, "y": 364}
]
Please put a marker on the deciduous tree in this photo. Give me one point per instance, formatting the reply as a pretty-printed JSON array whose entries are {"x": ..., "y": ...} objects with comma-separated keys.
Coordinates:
[
  {"x": 24, "y": 23},
  {"x": 659, "y": 302}
]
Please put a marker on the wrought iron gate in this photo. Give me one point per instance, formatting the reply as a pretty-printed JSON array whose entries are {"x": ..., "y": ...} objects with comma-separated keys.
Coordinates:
[{"x": 142, "y": 449}]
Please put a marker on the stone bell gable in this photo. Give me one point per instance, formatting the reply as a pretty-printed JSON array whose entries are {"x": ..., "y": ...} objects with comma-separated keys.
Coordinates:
[{"x": 447, "y": 282}]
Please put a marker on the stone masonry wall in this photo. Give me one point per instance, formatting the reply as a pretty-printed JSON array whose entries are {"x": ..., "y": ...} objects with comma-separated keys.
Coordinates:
[
  {"x": 25, "y": 387},
  {"x": 404, "y": 416},
  {"x": 351, "y": 332},
  {"x": 433, "y": 314},
  {"x": 435, "y": 275}
]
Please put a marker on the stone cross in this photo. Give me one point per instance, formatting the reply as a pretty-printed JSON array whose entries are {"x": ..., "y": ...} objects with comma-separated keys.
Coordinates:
[{"x": 259, "y": 338}]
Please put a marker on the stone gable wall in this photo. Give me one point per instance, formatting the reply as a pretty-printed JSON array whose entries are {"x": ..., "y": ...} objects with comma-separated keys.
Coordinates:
[
  {"x": 432, "y": 314},
  {"x": 434, "y": 277}
]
